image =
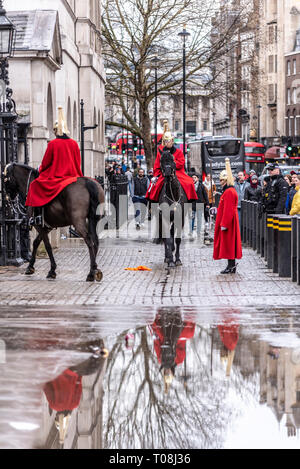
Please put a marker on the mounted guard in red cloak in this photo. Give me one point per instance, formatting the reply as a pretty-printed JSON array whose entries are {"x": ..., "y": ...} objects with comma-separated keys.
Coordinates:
[
  {"x": 157, "y": 182},
  {"x": 61, "y": 166}
]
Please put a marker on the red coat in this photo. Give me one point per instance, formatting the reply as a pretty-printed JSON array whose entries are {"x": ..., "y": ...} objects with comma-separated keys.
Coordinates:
[
  {"x": 60, "y": 167},
  {"x": 227, "y": 244},
  {"x": 186, "y": 333},
  {"x": 64, "y": 392},
  {"x": 229, "y": 334},
  {"x": 186, "y": 181}
]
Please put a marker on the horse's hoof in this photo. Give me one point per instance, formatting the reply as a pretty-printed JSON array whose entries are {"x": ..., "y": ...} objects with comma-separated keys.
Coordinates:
[
  {"x": 29, "y": 270},
  {"x": 178, "y": 263},
  {"x": 99, "y": 275},
  {"x": 90, "y": 277},
  {"x": 171, "y": 264},
  {"x": 51, "y": 274}
]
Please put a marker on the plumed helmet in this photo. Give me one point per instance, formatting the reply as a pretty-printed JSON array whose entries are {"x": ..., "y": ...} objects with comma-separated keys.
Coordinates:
[
  {"x": 60, "y": 125},
  {"x": 167, "y": 135},
  {"x": 226, "y": 174}
]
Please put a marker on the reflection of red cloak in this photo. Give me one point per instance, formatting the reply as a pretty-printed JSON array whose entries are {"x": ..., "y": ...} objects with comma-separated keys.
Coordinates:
[
  {"x": 186, "y": 333},
  {"x": 64, "y": 392},
  {"x": 227, "y": 244},
  {"x": 186, "y": 181},
  {"x": 60, "y": 167},
  {"x": 229, "y": 334}
]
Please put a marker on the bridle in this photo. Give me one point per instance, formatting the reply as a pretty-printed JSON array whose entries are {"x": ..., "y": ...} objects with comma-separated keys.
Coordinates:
[{"x": 15, "y": 204}]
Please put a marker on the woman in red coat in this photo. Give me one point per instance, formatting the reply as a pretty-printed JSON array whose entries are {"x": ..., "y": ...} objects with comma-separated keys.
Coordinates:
[
  {"x": 60, "y": 167},
  {"x": 186, "y": 181},
  {"x": 227, "y": 240}
]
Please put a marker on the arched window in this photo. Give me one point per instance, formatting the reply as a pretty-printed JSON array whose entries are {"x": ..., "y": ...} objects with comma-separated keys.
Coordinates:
[
  {"x": 95, "y": 132},
  {"x": 99, "y": 128},
  {"x": 69, "y": 116},
  {"x": 50, "y": 118},
  {"x": 75, "y": 128}
]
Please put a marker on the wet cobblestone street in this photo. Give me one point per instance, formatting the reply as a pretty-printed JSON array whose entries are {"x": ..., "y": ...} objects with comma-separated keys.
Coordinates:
[{"x": 54, "y": 329}]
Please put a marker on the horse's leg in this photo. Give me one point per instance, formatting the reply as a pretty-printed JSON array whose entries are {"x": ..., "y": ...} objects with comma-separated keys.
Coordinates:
[
  {"x": 168, "y": 244},
  {"x": 177, "y": 253},
  {"x": 94, "y": 273},
  {"x": 30, "y": 268},
  {"x": 51, "y": 273}
]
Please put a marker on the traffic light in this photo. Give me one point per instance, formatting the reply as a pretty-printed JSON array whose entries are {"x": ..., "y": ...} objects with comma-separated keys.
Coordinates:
[
  {"x": 123, "y": 148},
  {"x": 289, "y": 147},
  {"x": 135, "y": 144}
]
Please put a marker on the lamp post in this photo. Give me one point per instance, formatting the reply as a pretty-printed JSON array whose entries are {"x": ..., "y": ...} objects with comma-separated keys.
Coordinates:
[
  {"x": 83, "y": 128},
  {"x": 10, "y": 219},
  {"x": 155, "y": 62},
  {"x": 258, "y": 122},
  {"x": 183, "y": 36}
]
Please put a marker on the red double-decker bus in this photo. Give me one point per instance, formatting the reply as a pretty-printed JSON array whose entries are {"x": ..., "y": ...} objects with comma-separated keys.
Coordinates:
[
  {"x": 254, "y": 156},
  {"x": 134, "y": 145}
]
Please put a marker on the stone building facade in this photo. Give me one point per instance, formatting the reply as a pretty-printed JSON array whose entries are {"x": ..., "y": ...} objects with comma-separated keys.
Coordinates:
[
  {"x": 279, "y": 22},
  {"x": 57, "y": 61},
  {"x": 292, "y": 111}
]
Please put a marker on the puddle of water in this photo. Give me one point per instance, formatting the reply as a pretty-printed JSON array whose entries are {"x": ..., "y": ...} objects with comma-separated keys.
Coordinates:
[{"x": 175, "y": 378}]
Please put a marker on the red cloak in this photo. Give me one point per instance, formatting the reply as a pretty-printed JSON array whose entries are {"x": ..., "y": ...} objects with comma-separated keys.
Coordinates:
[
  {"x": 60, "y": 167},
  {"x": 186, "y": 333},
  {"x": 227, "y": 244},
  {"x": 186, "y": 181},
  {"x": 229, "y": 334},
  {"x": 64, "y": 392}
]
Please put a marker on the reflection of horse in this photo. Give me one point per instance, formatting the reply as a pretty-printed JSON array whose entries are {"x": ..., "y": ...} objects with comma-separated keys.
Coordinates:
[
  {"x": 171, "y": 334},
  {"x": 74, "y": 205},
  {"x": 174, "y": 196}
]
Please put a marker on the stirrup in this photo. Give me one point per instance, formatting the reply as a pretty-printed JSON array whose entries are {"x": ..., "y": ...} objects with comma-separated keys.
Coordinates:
[
  {"x": 38, "y": 220},
  {"x": 31, "y": 222}
]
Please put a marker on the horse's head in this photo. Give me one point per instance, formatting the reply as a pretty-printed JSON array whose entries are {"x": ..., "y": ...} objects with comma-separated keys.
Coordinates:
[
  {"x": 16, "y": 178},
  {"x": 10, "y": 182},
  {"x": 167, "y": 164}
]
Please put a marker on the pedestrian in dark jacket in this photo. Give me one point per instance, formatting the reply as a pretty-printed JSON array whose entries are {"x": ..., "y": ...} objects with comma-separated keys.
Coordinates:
[
  {"x": 253, "y": 192},
  {"x": 140, "y": 186},
  {"x": 276, "y": 190},
  {"x": 198, "y": 206}
]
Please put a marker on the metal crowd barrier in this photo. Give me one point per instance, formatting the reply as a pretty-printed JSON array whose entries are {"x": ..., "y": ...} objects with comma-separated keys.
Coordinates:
[{"x": 275, "y": 237}]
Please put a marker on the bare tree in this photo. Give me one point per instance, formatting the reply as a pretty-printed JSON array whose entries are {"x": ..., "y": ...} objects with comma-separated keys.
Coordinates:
[{"x": 135, "y": 31}]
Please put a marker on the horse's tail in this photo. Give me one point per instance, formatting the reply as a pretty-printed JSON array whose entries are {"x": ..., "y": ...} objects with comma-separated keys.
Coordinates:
[{"x": 93, "y": 217}]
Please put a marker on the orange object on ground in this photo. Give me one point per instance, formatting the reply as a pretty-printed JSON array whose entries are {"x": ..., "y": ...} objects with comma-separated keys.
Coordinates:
[{"x": 140, "y": 267}]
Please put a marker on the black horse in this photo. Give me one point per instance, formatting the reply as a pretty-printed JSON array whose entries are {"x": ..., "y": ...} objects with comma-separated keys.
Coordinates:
[
  {"x": 172, "y": 200},
  {"x": 77, "y": 205}
]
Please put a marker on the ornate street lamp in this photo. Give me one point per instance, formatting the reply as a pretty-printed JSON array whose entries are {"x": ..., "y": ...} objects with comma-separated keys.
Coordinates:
[
  {"x": 10, "y": 220},
  {"x": 183, "y": 36}
]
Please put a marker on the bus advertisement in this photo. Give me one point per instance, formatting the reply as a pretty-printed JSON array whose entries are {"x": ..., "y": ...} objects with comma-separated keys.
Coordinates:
[{"x": 207, "y": 155}]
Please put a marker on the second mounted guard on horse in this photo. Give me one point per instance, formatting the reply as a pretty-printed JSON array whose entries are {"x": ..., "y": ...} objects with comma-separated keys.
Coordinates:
[{"x": 171, "y": 188}]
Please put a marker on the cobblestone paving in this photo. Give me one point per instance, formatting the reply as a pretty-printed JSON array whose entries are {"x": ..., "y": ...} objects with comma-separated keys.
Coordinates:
[{"x": 197, "y": 283}]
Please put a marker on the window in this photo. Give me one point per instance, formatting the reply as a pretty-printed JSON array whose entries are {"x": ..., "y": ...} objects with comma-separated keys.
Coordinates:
[
  {"x": 275, "y": 63},
  {"x": 223, "y": 147},
  {"x": 205, "y": 125},
  {"x": 294, "y": 98},
  {"x": 288, "y": 96},
  {"x": 176, "y": 125},
  {"x": 271, "y": 93},
  {"x": 288, "y": 67},
  {"x": 191, "y": 127},
  {"x": 271, "y": 34},
  {"x": 294, "y": 67},
  {"x": 271, "y": 63}
]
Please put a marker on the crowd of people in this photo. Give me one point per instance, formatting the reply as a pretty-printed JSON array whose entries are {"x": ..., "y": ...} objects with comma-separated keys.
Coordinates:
[{"x": 275, "y": 192}]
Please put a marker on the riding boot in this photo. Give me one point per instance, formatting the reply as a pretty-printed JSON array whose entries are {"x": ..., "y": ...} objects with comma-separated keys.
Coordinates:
[
  {"x": 38, "y": 216},
  {"x": 231, "y": 267}
]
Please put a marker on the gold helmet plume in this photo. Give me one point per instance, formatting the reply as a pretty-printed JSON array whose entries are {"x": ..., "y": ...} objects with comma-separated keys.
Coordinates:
[
  {"x": 61, "y": 126},
  {"x": 167, "y": 135},
  {"x": 226, "y": 175}
]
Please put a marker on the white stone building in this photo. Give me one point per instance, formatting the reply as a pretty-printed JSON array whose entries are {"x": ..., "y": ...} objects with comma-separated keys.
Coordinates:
[{"x": 57, "y": 61}]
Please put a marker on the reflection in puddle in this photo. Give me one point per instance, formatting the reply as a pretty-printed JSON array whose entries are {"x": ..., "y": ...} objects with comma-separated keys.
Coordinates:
[{"x": 185, "y": 380}]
